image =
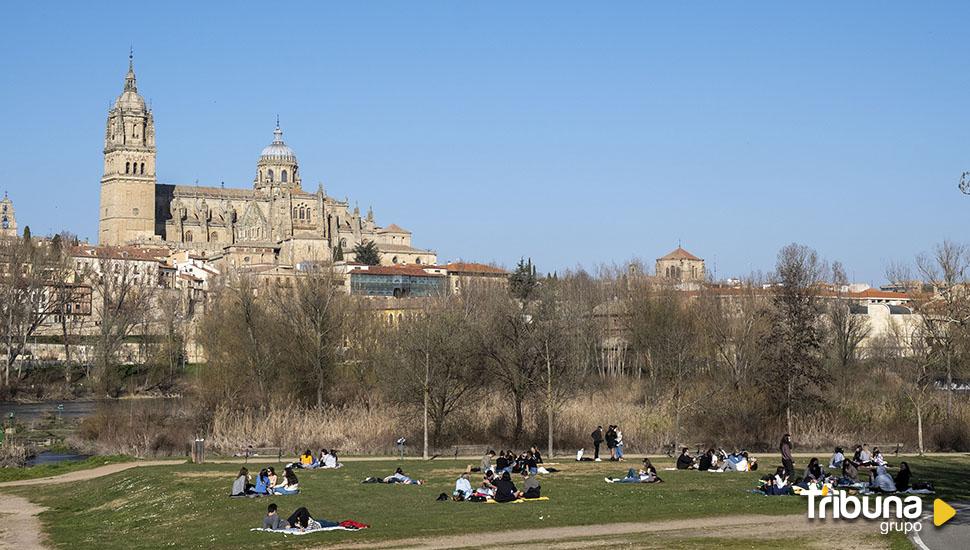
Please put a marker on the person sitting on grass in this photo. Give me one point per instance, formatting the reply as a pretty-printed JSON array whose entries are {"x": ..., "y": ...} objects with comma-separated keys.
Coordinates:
[
  {"x": 903, "y": 477},
  {"x": 881, "y": 481},
  {"x": 463, "y": 487},
  {"x": 485, "y": 491},
  {"x": 262, "y": 482},
  {"x": 814, "y": 472},
  {"x": 289, "y": 485},
  {"x": 877, "y": 458},
  {"x": 328, "y": 459},
  {"x": 241, "y": 486},
  {"x": 838, "y": 457},
  {"x": 530, "y": 486},
  {"x": 505, "y": 490},
  {"x": 486, "y": 463},
  {"x": 685, "y": 461},
  {"x": 777, "y": 485},
  {"x": 273, "y": 478},
  {"x": 850, "y": 473},
  {"x": 306, "y": 459},
  {"x": 399, "y": 477},
  {"x": 706, "y": 462}
]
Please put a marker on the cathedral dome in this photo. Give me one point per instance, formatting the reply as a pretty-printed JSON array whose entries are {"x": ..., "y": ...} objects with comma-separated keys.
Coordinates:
[
  {"x": 277, "y": 150},
  {"x": 130, "y": 99}
]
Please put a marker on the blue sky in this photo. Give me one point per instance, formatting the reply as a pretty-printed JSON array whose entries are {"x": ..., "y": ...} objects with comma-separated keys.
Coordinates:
[{"x": 575, "y": 133}]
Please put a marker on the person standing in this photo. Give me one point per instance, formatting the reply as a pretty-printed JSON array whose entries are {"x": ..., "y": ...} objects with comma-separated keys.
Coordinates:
[
  {"x": 597, "y": 441},
  {"x": 611, "y": 441},
  {"x": 786, "y": 459}
]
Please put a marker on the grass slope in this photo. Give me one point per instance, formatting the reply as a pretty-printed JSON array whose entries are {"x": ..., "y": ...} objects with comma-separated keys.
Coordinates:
[
  {"x": 186, "y": 506},
  {"x": 47, "y": 470}
]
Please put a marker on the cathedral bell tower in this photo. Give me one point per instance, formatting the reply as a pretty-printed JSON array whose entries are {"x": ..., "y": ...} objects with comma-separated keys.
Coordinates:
[{"x": 128, "y": 185}]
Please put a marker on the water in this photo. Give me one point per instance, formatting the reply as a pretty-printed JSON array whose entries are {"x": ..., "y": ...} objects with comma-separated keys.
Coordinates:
[
  {"x": 54, "y": 458},
  {"x": 29, "y": 412}
]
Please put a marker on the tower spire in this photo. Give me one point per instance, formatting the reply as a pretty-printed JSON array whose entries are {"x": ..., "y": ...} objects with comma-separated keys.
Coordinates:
[{"x": 130, "y": 77}]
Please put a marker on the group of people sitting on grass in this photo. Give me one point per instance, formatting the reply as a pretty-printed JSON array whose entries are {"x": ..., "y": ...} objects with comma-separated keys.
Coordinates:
[
  {"x": 843, "y": 473},
  {"x": 646, "y": 474},
  {"x": 716, "y": 460},
  {"x": 266, "y": 483},
  {"x": 507, "y": 461},
  {"x": 496, "y": 486},
  {"x": 326, "y": 459}
]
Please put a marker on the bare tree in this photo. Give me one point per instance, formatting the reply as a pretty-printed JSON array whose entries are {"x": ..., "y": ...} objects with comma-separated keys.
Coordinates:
[
  {"x": 733, "y": 325},
  {"x": 122, "y": 298},
  {"x": 847, "y": 330},
  {"x": 313, "y": 309},
  {"x": 946, "y": 309},
  {"x": 28, "y": 270},
  {"x": 793, "y": 343}
]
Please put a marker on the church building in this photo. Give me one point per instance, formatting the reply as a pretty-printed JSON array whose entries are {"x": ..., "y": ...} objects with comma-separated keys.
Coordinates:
[{"x": 273, "y": 221}]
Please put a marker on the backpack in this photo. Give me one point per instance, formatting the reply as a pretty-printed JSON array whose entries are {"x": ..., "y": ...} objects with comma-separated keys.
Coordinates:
[{"x": 442, "y": 496}]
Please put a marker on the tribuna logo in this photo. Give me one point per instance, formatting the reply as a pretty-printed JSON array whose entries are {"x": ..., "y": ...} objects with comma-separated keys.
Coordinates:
[{"x": 841, "y": 505}]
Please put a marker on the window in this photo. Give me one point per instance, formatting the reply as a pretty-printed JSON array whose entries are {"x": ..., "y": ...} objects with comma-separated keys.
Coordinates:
[
  {"x": 214, "y": 237},
  {"x": 283, "y": 176},
  {"x": 143, "y": 168},
  {"x": 417, "y": 261},
  {"x": 269, "y": 175},
  {"x": 127, "y": 167},
  {"x": 394, "y": 260},
  {"x": 134, "y": 211},
  {"x": 188, "y": 236}
]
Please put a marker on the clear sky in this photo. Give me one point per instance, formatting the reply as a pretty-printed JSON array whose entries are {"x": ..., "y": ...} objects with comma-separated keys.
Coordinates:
[{"x": 575, "y": 133}]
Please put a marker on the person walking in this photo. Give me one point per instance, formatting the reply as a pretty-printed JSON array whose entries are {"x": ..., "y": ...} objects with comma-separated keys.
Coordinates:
[
  {"x": 597, "y": 441},
  {"x": 786, "y": 459}
]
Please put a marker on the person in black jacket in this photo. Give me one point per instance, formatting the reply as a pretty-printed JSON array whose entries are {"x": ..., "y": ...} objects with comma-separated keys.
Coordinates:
[
  {"x": 706, "y": 461},
  {"x": 597, "y": 436},
  {"x": 504, "y": 489},
  {"x": 685, "y": 461},
  {"x": 611, "y": 441}
]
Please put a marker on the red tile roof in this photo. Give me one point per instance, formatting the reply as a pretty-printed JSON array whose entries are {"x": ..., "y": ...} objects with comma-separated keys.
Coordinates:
[
  {"x": 679, "y": 254},
  {"x": 470, "y": 267},
  {"x": 414, "y": 270}
]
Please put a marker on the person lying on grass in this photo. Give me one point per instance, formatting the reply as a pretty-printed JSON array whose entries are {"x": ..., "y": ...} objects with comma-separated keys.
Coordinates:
[
  {"x": 299, "y": 519},
  {"x": 289, "y": 485},
  {"x": 646, "y": 474},
  {"x": 463, "y": 487},
  {"x": 399, "y": 477},
  {"x": 241, "y": 486}
]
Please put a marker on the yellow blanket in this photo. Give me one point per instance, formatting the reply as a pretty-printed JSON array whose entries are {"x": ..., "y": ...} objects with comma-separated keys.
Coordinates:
[{"x": 518, "y": 500}]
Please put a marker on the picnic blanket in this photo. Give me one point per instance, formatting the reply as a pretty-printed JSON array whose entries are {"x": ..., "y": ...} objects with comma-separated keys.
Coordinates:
[
  {"x": 516, "y": 501},
  {"x": 345, "y": 525}
]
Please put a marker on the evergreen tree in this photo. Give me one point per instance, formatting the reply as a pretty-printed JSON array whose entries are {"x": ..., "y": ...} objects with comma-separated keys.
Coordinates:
[
  {"x": 366, "y": 253},
  {"x": 523, "y": 281},
  {"x": 27, "y": 233}
]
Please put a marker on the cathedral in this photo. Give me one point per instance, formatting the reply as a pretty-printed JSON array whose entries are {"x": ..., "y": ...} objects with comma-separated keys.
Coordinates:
[{"x": 274, "y": 222}]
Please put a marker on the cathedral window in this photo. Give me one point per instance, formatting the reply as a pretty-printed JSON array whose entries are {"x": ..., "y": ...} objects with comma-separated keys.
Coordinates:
[
  {"x": 269, "y": 174},
  {"x": 143, "y": 168},
  {"x": 283, "y": 176},
  {"x": 188, "y": 236},
  {"x": 127, "y": 167}
]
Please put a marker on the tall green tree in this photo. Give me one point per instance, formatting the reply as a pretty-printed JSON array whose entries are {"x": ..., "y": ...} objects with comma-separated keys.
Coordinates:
[
  {"x": 366, "y": 252},
  {"x": 523, "y": 281}
]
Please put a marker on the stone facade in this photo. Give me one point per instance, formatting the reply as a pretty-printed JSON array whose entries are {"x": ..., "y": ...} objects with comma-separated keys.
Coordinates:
[
  {"x": 274, "y": 221},
  {"x": 680, "y": 266},
  {"x": 8, "y": 219}
]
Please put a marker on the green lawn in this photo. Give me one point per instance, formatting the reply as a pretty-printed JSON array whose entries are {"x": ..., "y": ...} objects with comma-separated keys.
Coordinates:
[
  {"x": 187, "y": 505},
  {"x": 46, "y": 470}
]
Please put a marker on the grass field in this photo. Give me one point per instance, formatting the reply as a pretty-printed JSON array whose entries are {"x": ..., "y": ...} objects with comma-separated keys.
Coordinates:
[
  {"x": 46, "y": 470},
  {"x": 187, "y": 505}
]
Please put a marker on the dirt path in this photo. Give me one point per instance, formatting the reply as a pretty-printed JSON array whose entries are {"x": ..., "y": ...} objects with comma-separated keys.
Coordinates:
[
  {"x": 20, "y": 528},
  {"x": 19, "y": 525},
  {"x": 91, "y": 473},
  {"x": 851, "y": 535}
]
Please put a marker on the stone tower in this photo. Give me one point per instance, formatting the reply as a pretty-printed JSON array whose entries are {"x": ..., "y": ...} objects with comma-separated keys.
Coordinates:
[
  {"x": 8, "y": 220},
  {"x": 277, "y": 169},
  {"x": 128, "y": 184}
]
